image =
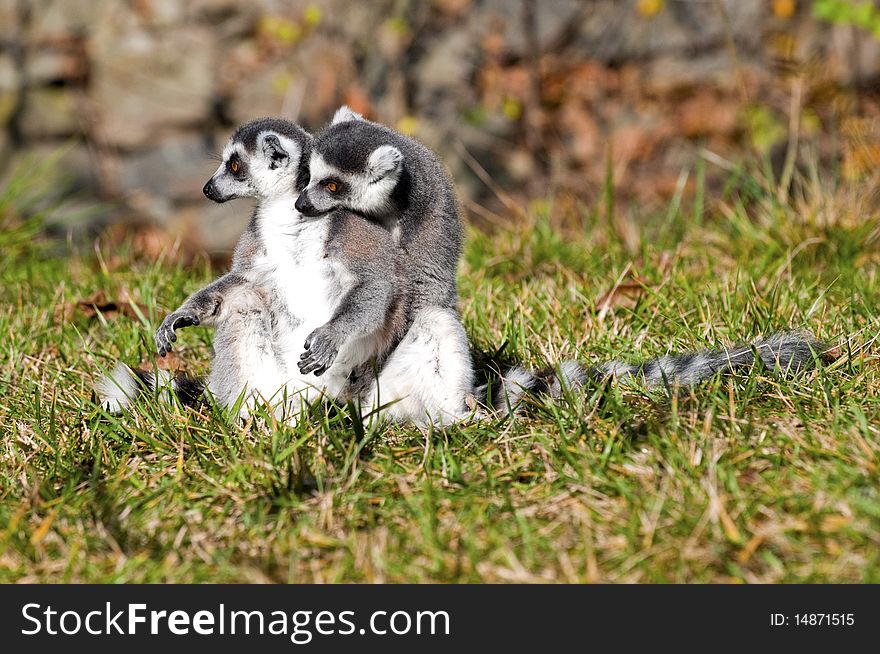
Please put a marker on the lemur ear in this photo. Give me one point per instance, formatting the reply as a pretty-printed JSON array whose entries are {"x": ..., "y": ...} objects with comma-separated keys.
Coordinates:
[
  {"x": 345, "y": 114},
  {"x": 383, "y": 162},
  {"x": 274, "y": 152}
]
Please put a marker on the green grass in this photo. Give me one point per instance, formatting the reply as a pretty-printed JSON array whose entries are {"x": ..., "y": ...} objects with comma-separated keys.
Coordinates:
[{"x": 745, "y": 479}]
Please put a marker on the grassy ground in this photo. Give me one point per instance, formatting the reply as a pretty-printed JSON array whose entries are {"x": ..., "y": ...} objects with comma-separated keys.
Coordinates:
[{"x": 750, "y": 479}]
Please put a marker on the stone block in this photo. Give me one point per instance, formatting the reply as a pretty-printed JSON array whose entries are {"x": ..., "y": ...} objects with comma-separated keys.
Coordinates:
[
  {"x": 51, "y": 112},
  {"x": 174, "y": 170},
  {"x": 145, "y": 82}
]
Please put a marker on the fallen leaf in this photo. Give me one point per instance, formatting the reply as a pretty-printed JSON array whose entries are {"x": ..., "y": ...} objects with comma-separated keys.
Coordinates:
[
  {"x": 627, "y": 293},
  {"x": 97, "y": 303},
  {"x": 63, "y": 313},
  {"x": 705, "y": 113},
  {"x": 147, "y": 242},
  {"x": 833, "y": 353},
  {"x": 170, "y": 362}
]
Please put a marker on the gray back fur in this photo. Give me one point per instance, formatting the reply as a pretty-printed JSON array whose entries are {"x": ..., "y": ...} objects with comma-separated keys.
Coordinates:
[{"x": 426, "y": 207}]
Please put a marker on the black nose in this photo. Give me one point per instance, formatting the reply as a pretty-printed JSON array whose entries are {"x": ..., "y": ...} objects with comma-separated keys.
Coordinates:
[
  {"x": 304, "y": 205},
  {"x": 211, "y": 193}
]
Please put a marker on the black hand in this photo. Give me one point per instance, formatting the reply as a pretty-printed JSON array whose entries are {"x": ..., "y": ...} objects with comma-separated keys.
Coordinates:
[
  {"x": 165, "y": 335},
  {"x": 320, "y": 352}
]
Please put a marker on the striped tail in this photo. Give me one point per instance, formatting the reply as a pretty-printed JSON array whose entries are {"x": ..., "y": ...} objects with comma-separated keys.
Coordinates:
[
  {"x": 122, "y": 387},
  {"x": 788, "y": 352}
]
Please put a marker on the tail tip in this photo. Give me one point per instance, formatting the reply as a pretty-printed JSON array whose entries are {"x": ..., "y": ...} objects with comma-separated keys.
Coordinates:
[{"x": 117, "y": 389}]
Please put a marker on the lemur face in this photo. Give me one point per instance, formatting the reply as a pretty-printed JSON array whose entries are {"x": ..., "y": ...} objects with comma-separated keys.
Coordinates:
[
  {"x": 366, "y": 192},
  {"x": 263, "y": 159},
  {"x": 353, "y": 165}
]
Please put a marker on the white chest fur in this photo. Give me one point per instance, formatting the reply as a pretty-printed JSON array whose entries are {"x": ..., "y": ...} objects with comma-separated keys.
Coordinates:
[
  {"x": 303, "y": 284},
  {"x": 302, "y": 280}
]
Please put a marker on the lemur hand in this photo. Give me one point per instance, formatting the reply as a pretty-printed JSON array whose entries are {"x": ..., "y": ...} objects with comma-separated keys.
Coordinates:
[
  {"x": 321, "y": 349},
  {"x": 165, "y": 335}
]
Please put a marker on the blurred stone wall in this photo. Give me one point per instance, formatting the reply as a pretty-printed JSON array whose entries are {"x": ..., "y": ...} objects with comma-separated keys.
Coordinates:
[{"x": 539, "y": 95}]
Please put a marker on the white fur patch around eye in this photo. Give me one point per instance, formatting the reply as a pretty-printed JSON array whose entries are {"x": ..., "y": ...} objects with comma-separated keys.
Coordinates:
[
  {"x": 344, "y": 114},
  {"x": 319, "y": 168},
  {"x": 231, "y": 147},
  {"x": 365, "y": 193},
  {"x": 383, "y": 162},
  {"x": 228, "y": 149}
]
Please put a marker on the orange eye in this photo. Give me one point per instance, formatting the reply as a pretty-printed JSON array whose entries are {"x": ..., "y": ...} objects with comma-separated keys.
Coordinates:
[
  {"x": 234, "y": 166},
  {"x": 332, "y": 187}
]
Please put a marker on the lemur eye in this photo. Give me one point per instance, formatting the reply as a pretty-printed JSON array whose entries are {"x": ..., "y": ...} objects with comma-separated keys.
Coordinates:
[
  {"x": 332, "y": 186},
  {"x": 233, "y": 166}
]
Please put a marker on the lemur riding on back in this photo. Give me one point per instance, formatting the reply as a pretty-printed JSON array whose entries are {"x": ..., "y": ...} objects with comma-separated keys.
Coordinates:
[{"x": 387, "y": 177}]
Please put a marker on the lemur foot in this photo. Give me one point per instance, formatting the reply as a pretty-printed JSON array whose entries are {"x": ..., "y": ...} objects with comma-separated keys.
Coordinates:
[
  {"x": 320, "y": 351},
  {"x": 165, "y": 335}
]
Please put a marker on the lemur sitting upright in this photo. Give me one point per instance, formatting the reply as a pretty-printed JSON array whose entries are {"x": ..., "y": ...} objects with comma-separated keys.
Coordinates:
[
  {"x": 376, "y": 172},
  {"x": 311, "y": 305}
]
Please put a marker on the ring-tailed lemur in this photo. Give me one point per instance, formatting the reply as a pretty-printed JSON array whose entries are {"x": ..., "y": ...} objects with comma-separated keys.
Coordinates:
[
  {"x": 311, "y": 305},
  {"x": 396, "y": 181},
  {"x": 392, "y": 179}
]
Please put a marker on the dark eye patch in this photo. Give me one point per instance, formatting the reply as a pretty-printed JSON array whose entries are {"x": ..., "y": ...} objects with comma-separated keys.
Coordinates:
[
  {"x": 333, "y": 185},
  {"x": 236, "y": 167}
]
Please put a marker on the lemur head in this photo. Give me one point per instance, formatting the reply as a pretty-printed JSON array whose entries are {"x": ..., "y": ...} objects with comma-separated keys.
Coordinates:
[
  {"x": 264, "y": 158},
  {"x": 354, "y": 164}
]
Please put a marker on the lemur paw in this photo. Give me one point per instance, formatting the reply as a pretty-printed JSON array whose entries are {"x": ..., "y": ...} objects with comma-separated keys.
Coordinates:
[
  {"x": 165, "y": 335},
  {"x": 320, "y": 352}
]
